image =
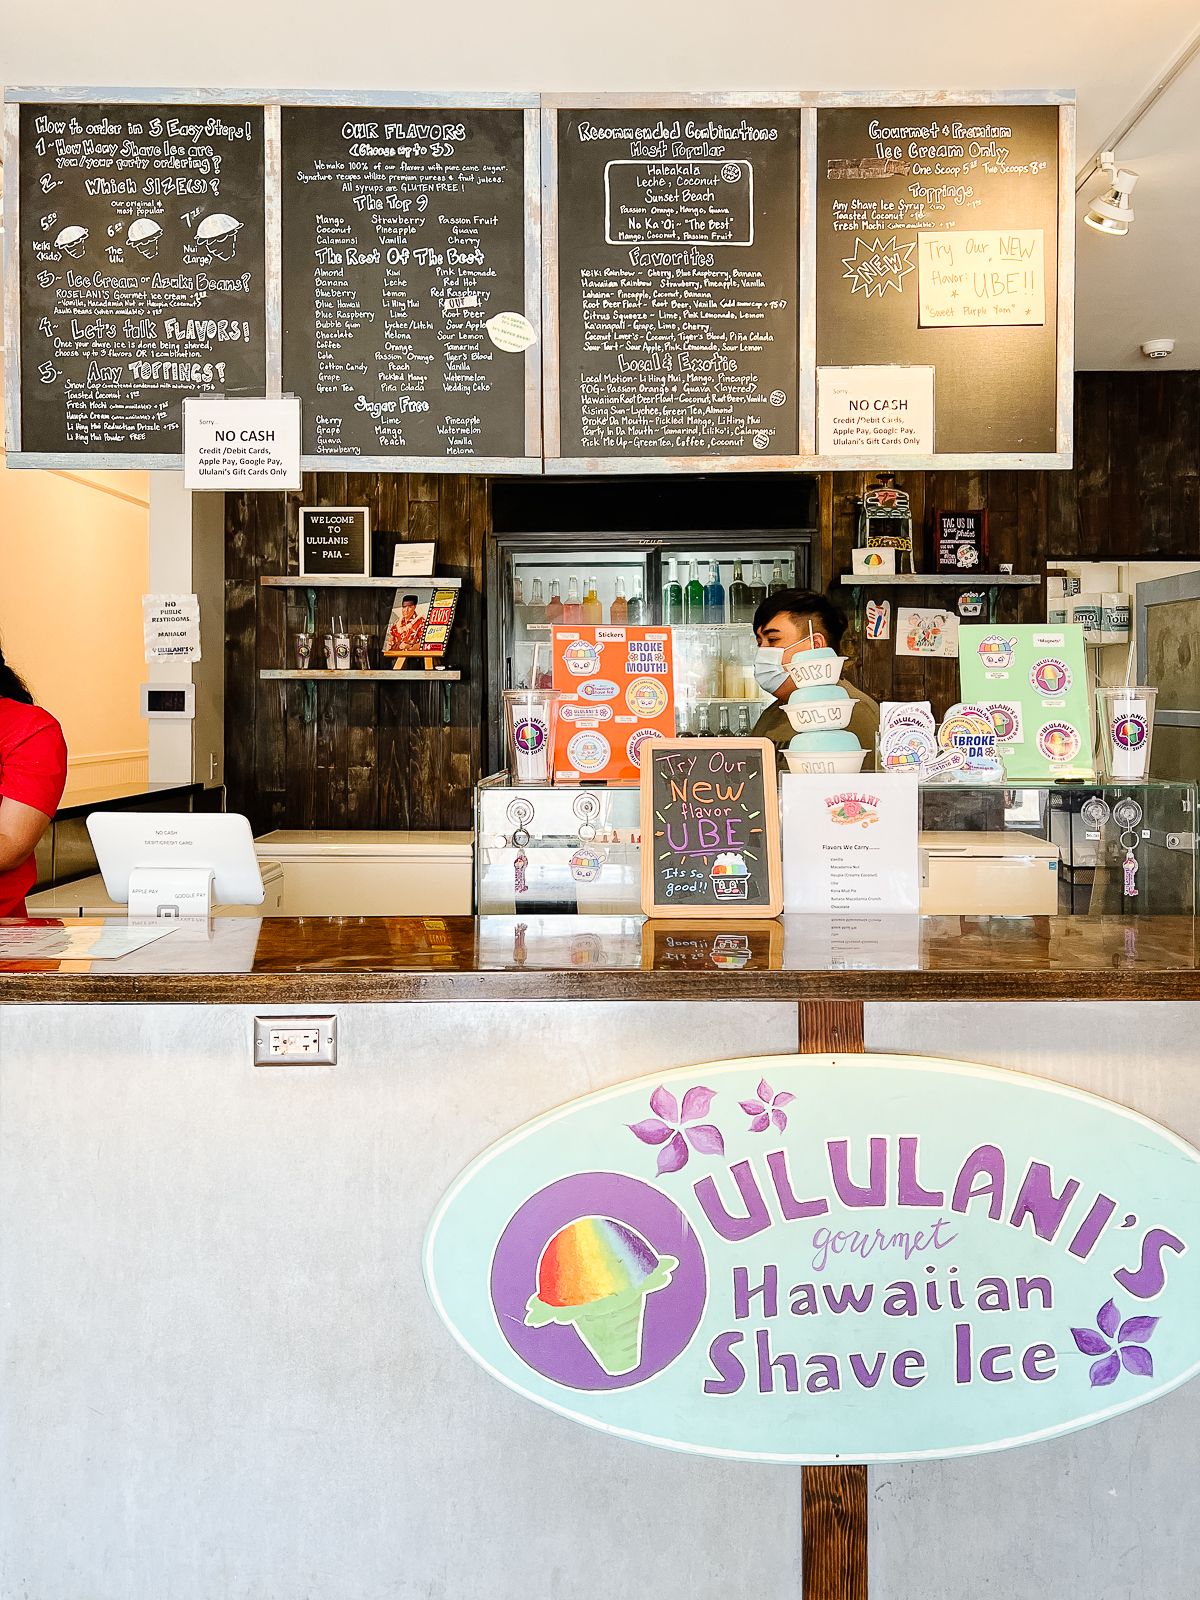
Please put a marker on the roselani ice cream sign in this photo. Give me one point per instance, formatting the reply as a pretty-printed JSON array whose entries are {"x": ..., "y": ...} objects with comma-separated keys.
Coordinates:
[{"x": 809, "y": 1258}]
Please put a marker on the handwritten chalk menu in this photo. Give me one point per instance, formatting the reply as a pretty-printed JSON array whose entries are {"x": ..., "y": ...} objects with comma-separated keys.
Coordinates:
[
  {"x": 403, "y": 236},
  {"x": 937, "y": 245},
  {"x": 710, "y": 828},
  {"x": 142, "y": 280},
  {"x": 677, "y": 283}
]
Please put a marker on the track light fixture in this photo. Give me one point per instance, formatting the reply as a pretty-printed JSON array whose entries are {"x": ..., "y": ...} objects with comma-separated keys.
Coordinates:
[{"x": 1112, "y": 213}]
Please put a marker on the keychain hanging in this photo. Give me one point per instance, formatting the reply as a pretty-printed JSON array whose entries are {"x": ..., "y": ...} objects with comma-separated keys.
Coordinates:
[
  {"x": 586, "y": 861},
  {"x": 1127, "y": 813},
  {"x": 520, "y": 814}
]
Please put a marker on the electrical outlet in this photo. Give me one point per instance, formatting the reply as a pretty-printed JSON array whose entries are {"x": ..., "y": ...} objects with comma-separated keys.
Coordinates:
[{"x": 283, "y": 1041}]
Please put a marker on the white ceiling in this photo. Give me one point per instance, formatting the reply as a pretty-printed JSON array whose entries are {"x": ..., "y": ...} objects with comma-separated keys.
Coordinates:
[{"x": 1142, "y": 286}]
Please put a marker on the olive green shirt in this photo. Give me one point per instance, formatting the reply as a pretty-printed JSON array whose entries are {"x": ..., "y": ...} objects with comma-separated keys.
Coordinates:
[{"x": 864, "y": 724}]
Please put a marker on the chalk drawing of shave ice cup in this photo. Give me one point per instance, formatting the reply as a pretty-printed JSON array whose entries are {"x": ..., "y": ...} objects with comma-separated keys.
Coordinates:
[
  {"x": 218, "y": 235},
  {"x": 595, "y": 1275},
  {"x": 71, "y": 241},
  {"x": 145, "y": 236}
]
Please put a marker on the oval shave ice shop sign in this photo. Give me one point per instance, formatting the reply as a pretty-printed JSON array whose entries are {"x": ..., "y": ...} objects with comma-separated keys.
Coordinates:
[{"x": 817, "y": 1258}]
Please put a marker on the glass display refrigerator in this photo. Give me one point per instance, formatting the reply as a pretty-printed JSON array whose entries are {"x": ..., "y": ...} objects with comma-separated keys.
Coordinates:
[{"x": 704, "y": 584}]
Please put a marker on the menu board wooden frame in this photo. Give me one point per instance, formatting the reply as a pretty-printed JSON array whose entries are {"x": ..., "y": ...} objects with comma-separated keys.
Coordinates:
[
  {"x": 703, "y": 911},
  {"x": 14, "y": 99},
  {"x": 554, "y": 461},
  {"x": 542, "y": 429},
  {"x": 1064, "y": 307},
  {"x": 531, "y": 461},
  {"x": 271, "y": 102}
]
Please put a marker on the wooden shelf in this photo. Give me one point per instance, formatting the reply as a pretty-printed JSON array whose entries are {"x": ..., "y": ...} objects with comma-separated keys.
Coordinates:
[
  {"x": 298, "y": 582},
  {"x": 943, "y": 580},
  {"x": 312, "y": 675}
]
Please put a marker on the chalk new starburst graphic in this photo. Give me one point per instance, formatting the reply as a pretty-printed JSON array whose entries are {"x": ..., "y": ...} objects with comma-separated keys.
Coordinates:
[{"x": 878, "y": 265}]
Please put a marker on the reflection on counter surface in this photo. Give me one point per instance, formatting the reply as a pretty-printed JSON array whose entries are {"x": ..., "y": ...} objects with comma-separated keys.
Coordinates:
[{"x": 283, "y": 960}]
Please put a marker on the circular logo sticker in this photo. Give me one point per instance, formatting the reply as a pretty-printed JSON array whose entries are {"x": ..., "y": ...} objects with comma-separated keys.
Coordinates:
[
  {"x": 529, "y": 736},
  {"x": 777, "y": 397},
  {"x": 1129, "y": 733},
  {"x": 1050, "y": 676},
  {"x": 646, "y": 697},
  {"x": 598, "y": 1281},
  {"x": 581, "y": 659},
  {"x": 732, "y": 172},
  {"x": 588, "y": 751},
  {"x": 633, "y": 745},
  {"x": 1059, "y": 741}
]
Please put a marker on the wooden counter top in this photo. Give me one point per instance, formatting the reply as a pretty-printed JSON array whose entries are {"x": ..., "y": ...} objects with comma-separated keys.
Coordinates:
[{"x": 310, "y": 961}]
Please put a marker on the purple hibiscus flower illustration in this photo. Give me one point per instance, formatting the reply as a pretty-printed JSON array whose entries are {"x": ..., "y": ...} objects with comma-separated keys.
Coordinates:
[
  {"x": 767, "y": 1109},
  {"x": 675, "y": 1127},
  {"x": 1118, "y": 1344}
]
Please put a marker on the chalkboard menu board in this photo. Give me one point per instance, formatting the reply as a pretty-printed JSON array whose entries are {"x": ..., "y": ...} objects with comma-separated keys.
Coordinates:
[
  {"x": 710, "y": 828},
  {"x": 938, "y": 245},
  {"x": 141, "y": 260},
  {"x": 404, "y": 236},
  {"x": 676, "y": 285}
]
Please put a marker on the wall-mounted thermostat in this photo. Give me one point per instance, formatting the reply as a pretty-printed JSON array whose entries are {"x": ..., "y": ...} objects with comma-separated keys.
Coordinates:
[{"x": 173, "y": 700}]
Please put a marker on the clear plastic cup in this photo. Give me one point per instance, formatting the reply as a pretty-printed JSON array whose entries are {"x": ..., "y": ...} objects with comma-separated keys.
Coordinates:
[
  {"x": 531, "y": 716},
  {"x": 1126, "y": 731}
]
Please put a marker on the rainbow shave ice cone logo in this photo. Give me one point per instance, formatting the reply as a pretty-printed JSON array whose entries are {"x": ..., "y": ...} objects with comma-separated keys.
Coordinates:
[
  {"x": 595, "y": 1276},
  {"x": 730, "y": 876}
]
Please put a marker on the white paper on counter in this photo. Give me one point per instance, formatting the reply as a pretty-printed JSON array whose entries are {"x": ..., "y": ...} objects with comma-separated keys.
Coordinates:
[
  {"x": 80, "y": 939},
  {"x": 850, "y": 844}
]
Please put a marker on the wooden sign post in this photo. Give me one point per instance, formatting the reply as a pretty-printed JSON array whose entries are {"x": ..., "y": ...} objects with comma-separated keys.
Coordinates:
[{"x": 710, "y": 829}]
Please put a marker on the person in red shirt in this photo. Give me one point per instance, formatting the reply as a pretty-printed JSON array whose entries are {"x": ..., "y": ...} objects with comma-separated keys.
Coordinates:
[{"x": 33, "y": 772}]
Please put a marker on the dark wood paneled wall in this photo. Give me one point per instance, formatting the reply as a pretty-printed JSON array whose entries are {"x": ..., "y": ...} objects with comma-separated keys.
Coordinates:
[
  {"x": 380, "y": 756},
  {"x": 376, "y": 755}
]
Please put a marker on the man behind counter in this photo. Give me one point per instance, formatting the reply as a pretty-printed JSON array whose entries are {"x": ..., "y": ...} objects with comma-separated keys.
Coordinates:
[{"x": 788, "y": 621}]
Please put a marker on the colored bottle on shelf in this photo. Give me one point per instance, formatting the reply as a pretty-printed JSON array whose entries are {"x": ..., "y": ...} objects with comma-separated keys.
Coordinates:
[
  {"x": 673, "y": 595},
  {"x": 740, "y": 608},
  {"x": 593, "y": 611},
  {"x": 758, "y": 588},
  {"x": 618, "y": 612},
  {"x": 693, "y": 598},
  {"x": 743, "y": 722},
  {"x": 778, "y": 581},
  {"x": 554, "y": 606},
  {"x": 703, "y": 731},
  {"x": 518, "y": 591},
  {"x": 714, "y": 595},
  {"x": 537, "y": 602},
  {"x": 635, "y": 612},
  {"x": 572, "y": 611}
]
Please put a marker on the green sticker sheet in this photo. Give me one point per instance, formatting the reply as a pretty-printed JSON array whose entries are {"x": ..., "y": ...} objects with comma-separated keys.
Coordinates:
[{"x": 1037, "y": 679}]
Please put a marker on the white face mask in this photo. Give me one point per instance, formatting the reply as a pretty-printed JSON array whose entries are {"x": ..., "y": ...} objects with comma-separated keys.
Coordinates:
[{"x": 769, "y": 671}]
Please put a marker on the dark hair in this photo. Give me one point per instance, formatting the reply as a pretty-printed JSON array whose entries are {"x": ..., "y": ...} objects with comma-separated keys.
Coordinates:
[
  {"x": 411, "y": 600},
  {"x": 11, "y": 687},
  {"x": 801, "y": 603}
]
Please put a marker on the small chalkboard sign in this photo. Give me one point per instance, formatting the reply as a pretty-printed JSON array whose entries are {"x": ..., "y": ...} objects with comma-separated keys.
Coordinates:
[
  {"x": 960, "y": 541},
  {"x": 710, "y": 829},
  {"x": 335, "y": 541}
]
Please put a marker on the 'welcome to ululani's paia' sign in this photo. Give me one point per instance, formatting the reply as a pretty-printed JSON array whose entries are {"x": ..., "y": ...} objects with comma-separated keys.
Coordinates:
[{"x": 816, "y": 1258}]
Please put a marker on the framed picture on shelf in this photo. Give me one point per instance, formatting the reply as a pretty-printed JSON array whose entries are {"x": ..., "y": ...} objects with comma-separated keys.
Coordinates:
[
  {"x": 335, "y": 542},
  {"x": 960, "y": 541},
  {"x": 420, "y": 623},
  {"x": 413, "y": 560}
]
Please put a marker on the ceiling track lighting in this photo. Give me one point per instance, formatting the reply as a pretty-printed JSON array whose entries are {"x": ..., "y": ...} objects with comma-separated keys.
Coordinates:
[{"x": 1112, "y": 212}]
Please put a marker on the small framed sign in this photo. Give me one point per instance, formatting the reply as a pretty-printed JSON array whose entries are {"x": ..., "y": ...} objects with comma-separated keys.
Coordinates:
[
  {"x": 413, "y": 560},
  {"x": 335, "y": 542},
  {"x": 710, "y": 829},
  {"x": 960, "y": 541}
]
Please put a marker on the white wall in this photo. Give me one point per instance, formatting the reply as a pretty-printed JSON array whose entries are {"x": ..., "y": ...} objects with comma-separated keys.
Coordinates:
[{"x": 74, "y": 549}]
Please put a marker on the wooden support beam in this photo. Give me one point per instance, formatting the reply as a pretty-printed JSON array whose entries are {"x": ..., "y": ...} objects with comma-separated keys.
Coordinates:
[{"x": 833, "y": 1499}]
